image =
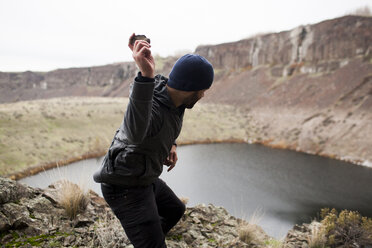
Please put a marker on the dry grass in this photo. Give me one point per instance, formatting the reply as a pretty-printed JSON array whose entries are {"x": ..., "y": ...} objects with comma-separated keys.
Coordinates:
[
  {"x": 317, "y": 238},
  {"x": 250, "y": 232},
  {"x": 46, "y": 131},
  {"x": 184, "y": 200},
  {"x": 257, "y": 216},
  {"x": 247, "y": 232},
  {"x": 213, "y": 122},
  {"x": 33, "y": 133},
  {"x": 72, "y": 198}
]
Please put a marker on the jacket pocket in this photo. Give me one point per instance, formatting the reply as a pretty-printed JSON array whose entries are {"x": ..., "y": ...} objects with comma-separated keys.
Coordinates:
[
  {"x": 130, "y": 164},
  {"x": 103, "y": 170}
]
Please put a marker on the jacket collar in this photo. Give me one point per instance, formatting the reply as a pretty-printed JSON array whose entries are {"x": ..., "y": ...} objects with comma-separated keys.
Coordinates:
[{"x": 161, "y": 92}]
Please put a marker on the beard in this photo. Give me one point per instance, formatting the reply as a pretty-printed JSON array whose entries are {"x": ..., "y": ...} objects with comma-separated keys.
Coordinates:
[
  {"x": 190, "y": 106},
  {"x": 190, "y": 102}
]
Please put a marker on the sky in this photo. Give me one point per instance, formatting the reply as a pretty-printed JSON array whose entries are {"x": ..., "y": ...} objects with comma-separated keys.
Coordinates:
[{"x": 42, "y": 35}]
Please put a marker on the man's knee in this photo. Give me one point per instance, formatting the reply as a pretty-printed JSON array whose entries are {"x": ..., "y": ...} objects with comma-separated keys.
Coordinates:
[
  {"x": 180, "y": 210},
  {"x": 183, "y": 209}
]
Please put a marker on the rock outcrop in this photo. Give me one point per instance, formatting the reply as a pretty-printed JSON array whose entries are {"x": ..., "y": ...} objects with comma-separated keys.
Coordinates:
[
  {"x": 323, "y": 44},
  {"x": 89, "y": 81},
  {"x": 302, "y": 235},
  {"x": 34, "y": 217}
]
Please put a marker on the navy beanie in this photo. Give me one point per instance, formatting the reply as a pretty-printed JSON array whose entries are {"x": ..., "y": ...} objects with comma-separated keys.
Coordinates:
[{"x": 191, "y": 72}]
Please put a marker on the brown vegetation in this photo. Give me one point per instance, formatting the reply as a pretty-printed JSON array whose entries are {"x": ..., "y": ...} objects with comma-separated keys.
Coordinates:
[
  {"x": 347, "y": 228},
  {"x": 72, "y": 198}
]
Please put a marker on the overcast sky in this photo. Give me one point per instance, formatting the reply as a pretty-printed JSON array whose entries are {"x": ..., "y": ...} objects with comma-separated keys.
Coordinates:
[{"x": 43, "y": 35}]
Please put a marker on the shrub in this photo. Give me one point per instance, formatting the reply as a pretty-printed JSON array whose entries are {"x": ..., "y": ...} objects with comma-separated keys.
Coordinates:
[
  {"x": 249, "y": 232},
  {"x": 347, "y": 229},
  {"x": 72, "y": 198},
  {"x": 184, "y": 200},
  {"x": 246, "y": 233},
  {"x": 317, "y": 238}
]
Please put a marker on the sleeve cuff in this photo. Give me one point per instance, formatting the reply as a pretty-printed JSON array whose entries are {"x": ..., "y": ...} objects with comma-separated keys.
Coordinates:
[{"x": 143, "y": 79}]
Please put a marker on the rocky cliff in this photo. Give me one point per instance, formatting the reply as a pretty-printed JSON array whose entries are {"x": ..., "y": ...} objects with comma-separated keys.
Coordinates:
[
  {"x": 307, "y": 89},
  {"x": 34, "y": 217},
  {"x": 90, "y": 81},
  {"x": 310, "y": 66},
  {"x": 321, "y": 45}
]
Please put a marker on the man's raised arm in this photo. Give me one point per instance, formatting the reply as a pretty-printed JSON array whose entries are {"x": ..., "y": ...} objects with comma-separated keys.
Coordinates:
[{"x": 138, "y": 114}]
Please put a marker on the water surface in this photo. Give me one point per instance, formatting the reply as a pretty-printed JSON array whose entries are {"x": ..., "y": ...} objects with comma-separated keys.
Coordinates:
[{"x": 278, "y": 187}]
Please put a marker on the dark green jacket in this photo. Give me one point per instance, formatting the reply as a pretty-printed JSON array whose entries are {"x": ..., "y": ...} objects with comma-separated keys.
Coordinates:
[{"x": 142, "y": 143}]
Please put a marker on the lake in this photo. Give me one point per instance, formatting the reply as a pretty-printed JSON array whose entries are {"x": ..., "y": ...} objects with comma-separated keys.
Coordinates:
[{"x": 278, "y": 188}]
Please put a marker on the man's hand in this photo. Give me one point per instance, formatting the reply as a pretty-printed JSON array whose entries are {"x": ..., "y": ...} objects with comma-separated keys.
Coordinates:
[
  {"x": 172, "y": 158},
  {"x": 143, "y": 58}
]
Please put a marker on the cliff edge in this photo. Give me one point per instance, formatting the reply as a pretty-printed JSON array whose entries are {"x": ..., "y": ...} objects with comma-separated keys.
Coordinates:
[{"x": 33, "y": 217}]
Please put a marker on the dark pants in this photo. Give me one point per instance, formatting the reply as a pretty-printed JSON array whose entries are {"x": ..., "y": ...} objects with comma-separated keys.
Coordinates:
[{"x": 146, "y": 213}]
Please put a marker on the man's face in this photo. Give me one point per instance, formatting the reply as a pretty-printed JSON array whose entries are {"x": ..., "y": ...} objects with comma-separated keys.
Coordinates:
[{"x": 194, "y": 98}]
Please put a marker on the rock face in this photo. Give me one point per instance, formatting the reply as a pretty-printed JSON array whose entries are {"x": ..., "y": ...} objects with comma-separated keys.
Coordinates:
[
  {"x": 321, "y": 44},
  {"x": 210, "y": 226},
  {"x": 34, "y": 217},
  {"x": 105, "y": 80},
  {"x": 302, "y": 235}
]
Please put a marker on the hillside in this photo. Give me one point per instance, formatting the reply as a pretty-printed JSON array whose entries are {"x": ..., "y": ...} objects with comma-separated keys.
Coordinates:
[
  {"x": 307, "y": 89},
  {"x": 58, "y": 131}
]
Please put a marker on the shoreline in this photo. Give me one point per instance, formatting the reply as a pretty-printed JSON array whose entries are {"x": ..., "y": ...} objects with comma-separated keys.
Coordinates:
[{"x": 95, "y": 154}]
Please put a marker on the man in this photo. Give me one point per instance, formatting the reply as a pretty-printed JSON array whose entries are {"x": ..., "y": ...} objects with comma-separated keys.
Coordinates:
[{"x": 146, "y": 207}]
